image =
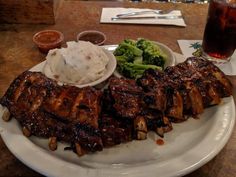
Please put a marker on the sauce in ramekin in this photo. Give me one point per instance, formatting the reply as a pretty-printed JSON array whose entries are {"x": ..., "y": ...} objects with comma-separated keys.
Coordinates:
[{"x": 48, "y": 39}]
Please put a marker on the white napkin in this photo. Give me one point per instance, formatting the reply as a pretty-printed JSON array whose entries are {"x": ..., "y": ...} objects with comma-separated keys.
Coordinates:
[
  {"x": 188, "y": 47},
  {"x": 108, "y": 13}
]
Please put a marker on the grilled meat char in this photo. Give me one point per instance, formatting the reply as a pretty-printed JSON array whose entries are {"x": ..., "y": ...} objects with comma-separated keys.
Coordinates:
[
  {"x": 161, "y": 93},
  {"x": 211, "y": 73},
  {"x": 188, "y": 88},
  {"x": 45, "y": 109},
  {"x": 126, "y": 100},
  {"x": 154, "y": 87},
  {"x": 127, "y": 97},
  {"x": 115, "y": 130},
  {"x": 81, "y": 109},
  {"x": 24, "y": 98},
  {"x": 207, "y": 83},
  {"x": 126, "y": 106}
]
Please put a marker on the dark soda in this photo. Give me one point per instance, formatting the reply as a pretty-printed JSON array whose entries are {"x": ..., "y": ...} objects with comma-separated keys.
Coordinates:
[{"x": 219, "y": 39}]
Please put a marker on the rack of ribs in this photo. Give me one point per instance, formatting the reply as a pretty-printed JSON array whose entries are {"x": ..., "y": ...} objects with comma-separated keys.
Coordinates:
[
  {"x": 91, "y": 119},
  {"x": 173, "y": 95},
  {"x": 187, "y": 88},
  {"x": 60, "y": 113}
]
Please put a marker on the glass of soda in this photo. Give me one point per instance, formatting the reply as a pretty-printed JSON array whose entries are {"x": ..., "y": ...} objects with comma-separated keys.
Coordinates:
[{"x": 219, "y": 41}]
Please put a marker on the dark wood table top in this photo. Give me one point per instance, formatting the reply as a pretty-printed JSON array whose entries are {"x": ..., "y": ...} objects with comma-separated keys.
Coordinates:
[{"x": 18, "y": 53}]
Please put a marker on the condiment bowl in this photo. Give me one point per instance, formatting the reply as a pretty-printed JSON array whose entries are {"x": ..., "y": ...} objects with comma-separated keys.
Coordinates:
[
  {"x": 93, "y": 36},
  {"x": 48, "y": 39}
]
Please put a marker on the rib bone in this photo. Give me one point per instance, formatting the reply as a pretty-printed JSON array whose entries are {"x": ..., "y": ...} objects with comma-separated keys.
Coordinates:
[
  {"x": 52, "y": 143},
  {"x": 140, "y": 126},
  {"x": 26, "y": 131},
  {"x": 160, "y": 131},
  {"x": 6, "y": 114},
  {"x": 79, "y": 150}
]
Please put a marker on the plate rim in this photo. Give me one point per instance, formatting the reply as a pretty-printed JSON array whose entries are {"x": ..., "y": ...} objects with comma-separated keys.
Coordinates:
[{"x": 40, "y": 166}]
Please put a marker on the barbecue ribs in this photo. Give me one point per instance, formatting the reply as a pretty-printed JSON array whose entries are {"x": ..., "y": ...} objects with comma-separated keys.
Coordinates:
[
  {"x": 64, "y": 113},
  {"x": 90, "y": 119},
  {"x": 126, "y": 102},
  {"x": 186, "y": 89}
]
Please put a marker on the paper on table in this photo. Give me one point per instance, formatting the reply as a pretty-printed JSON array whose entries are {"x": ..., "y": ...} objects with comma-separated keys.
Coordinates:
[
  {"x": 188, "y": 47},
  {"x": 108, "y": 13}
]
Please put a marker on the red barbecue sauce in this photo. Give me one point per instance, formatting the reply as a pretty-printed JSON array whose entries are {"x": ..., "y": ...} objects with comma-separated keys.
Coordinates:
[
  {"x": 160, "y": 142},
  {"x": 48, "y": 39}
]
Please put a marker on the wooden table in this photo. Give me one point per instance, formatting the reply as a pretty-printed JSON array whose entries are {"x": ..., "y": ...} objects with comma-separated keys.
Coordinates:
[{"x": 18, "y": 53}]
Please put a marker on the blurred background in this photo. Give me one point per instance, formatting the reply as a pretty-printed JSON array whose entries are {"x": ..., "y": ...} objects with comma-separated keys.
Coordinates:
[
  {"x": 158, "y": 1},
  {"x": 174, "y": 1}
]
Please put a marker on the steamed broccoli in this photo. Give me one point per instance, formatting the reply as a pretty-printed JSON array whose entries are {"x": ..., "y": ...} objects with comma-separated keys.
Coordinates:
[
  {"x": 130, "y": 41},
  {"x": 152, "y": 54},
  {"x": 138, "y": 60},
  {"x": 133, "y": 58},
  {"x": 133, "y": 70},
  {"x": 128, "y": 51}
]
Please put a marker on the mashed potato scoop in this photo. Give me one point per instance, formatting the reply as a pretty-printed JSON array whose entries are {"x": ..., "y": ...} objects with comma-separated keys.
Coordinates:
[{"x": 80, "y": 63}]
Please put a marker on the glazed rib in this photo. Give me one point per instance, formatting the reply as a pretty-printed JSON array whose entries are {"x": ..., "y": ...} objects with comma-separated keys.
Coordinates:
[
  {"x": 127, "y": 97},
  {"x": 129, "y": 103},
  {"x": 46, "y": 109},
  {"x": 185, "y": 89},
  {"x": 161, "y": 93}
]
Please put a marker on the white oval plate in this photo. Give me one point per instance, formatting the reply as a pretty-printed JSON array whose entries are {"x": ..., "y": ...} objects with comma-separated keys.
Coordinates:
[{"x": 187, "y": 147}]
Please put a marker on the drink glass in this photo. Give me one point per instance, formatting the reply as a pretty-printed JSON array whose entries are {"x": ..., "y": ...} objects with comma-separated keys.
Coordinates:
[{"x": 219, "y": 41}]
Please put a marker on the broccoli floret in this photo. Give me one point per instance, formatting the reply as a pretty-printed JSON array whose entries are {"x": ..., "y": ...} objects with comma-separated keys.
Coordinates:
[
  {"x": 130, "y": 41},
  {"x": 152, "y": 54},
  {"x": 134, "y": 58},
  {"x": 138, "y": 60},
  {"x": 133, "y": 70},
  {"x": 128, "y": 51}
]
